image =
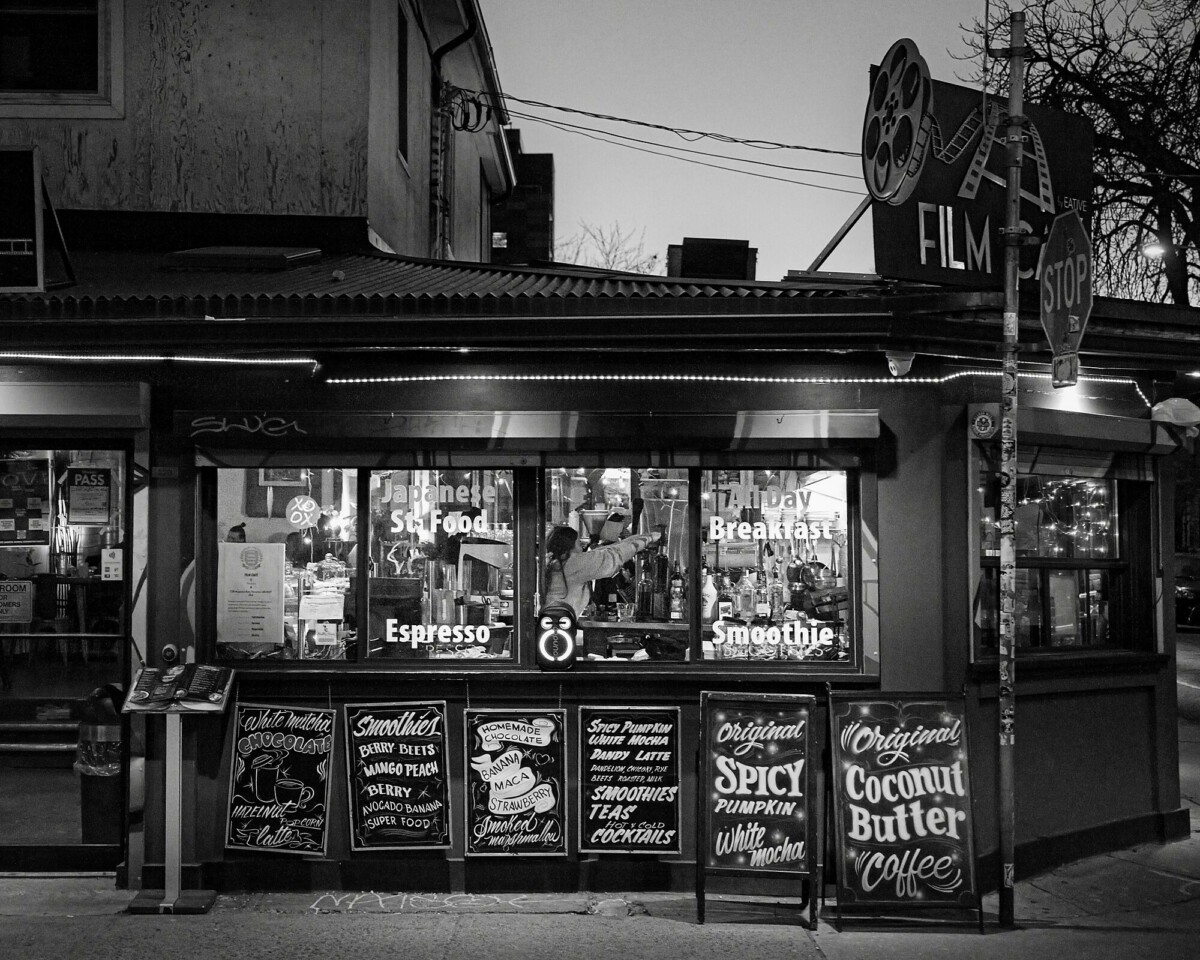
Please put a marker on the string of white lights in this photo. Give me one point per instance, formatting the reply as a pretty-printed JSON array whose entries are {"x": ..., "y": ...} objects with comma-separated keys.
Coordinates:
[
  {"x": 155, "y": 358},
  {"x": 709, "y": 378}
]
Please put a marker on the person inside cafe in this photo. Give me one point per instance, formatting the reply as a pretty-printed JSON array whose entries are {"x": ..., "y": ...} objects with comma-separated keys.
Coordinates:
[{"x": 570, "y": 570}]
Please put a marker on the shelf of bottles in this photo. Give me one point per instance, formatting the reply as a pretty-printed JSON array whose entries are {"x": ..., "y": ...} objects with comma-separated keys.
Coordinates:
[{"x": 774, "y": 585}]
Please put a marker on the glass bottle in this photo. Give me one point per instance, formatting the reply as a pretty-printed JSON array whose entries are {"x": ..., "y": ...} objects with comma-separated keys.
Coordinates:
[
  {"x": 724, "y": 600},
  {"x": 762, "y": 600},
  {"x": 676, "y": 611},
  {"x": 708, "y": 598},
  {"x": 746, "y": 595},
  {"x": 645, "y": 594}
]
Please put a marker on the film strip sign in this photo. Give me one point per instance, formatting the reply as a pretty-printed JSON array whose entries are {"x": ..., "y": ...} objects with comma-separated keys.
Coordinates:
[{"x": 900, "y": 131}]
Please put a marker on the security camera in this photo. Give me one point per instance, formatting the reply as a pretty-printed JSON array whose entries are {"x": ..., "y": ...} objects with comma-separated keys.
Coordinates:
[{"x": 899, "y": 363}]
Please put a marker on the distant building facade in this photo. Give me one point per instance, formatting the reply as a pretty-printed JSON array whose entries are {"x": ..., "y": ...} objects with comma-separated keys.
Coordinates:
[{"x": 523, "y": 223}]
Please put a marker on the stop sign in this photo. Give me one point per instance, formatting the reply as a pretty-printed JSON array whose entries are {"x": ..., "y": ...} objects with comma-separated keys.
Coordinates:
[{"x": 1065, "y": 283}]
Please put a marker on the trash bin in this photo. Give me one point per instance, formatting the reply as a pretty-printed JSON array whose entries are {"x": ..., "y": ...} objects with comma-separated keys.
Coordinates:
[{"x": 98, "y": 763}]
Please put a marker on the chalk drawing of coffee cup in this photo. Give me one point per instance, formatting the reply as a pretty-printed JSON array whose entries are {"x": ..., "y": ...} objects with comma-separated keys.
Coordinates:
[
  {"x": 264, "y": 771},
  {"x": 292, "y": 794}
]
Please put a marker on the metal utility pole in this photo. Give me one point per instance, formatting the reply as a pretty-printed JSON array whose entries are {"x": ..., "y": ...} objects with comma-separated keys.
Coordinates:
[{"x": 1008, "y": 467}]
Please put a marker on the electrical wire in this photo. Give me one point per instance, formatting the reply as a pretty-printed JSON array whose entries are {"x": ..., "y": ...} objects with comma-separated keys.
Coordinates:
[
  {"x": 715, "y": 166},
  {"x": 702, "y": 153},
  {"x": 682, "y": 132}
]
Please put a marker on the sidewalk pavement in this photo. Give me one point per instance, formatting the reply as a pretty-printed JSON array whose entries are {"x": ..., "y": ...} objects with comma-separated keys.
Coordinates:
[{"x": 1143, "y": 901}]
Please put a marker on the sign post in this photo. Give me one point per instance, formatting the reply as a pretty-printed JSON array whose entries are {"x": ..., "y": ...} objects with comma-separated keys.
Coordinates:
[{"x": 1065, "y": 293}]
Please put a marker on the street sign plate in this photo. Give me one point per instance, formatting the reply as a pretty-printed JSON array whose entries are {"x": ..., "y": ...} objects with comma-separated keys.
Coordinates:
[
  {"x": 1066, "y": 370},
  {"x": 1065, "y": 283}
]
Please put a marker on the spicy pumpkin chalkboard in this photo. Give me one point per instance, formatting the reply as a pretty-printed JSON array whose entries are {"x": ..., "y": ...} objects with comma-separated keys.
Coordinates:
[{"x": 902, "y": 802}]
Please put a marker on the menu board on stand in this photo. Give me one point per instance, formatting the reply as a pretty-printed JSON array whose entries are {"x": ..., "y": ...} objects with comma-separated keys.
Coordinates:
[
  {"x": 902, "y": 802},
  {"x": 515, "y": 772},
  {"x": 397, "y": 776},
  {"x": 629, "y": 780},
  {"x": 758, "y": 792},
  {"x": 279, "y": 779}
]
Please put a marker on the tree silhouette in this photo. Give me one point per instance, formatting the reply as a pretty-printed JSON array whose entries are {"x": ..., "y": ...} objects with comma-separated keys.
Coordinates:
[
  {"x": 610, "y": 248},
  {"x": 1132, "y": 67}
]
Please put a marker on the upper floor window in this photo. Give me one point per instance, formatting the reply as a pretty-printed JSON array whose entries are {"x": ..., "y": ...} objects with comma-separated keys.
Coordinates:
[{"x": 61, "y": 58}]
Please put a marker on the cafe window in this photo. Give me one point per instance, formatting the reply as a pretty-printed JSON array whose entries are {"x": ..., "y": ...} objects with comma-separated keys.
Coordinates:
[
  {"x": 1082, "y": 552},
  {"x": 616, "y": 548},
  {"x": 62, "y": 558},
  {"x": 774, "y": 584},
  {"x": 287, "y": 559},
  {"x": 61, "y": 58},
  {"x": 441, "y": 564},
  {"x": 763, "y": 577}
]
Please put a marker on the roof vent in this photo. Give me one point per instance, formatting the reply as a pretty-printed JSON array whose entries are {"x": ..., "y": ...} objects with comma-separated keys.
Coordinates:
[{"x": 240, "y": 258}]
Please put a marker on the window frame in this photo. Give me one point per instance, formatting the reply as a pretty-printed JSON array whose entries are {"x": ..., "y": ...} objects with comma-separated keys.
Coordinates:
[
  {"x": 1131, "y": 574},
  {"x": 106, "y": 102},
  {"x": 528, "y": 521}
]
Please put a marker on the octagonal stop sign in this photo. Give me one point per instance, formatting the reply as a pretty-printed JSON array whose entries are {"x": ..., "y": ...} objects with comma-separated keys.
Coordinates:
[{"x": 1065, "y": 287}]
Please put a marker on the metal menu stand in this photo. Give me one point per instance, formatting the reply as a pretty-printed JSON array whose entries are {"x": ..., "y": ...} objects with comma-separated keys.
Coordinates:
[{"x": 172, "y": 899}]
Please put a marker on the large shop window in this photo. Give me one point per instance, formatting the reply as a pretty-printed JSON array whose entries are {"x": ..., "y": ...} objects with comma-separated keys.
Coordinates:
[
  {"x": 764, "y": 576},
  {"x": 62, "y": 517},
  {"x": 656, "y": 564},
  {"x": 1083, "y": 540}
]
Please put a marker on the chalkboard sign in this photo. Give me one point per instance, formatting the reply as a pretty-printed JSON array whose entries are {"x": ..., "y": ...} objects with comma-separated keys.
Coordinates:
[
  {"x": 756, "y": 783},
  {"x": 396, "y": 760},
  {"x": 629, "y": 780},
  {"x": 515, "y": 772},
  {"x": 902, "y": 801},
  {"x": 279, "y": 779}
]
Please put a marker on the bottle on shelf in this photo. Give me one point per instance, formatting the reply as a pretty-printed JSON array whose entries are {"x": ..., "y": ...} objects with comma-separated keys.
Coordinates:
[
  {"x": 746, "y": 595},
  {"x": 676, "y": 606},
  {"x": 708, "y": 598},
  {"x": 724, "y": 600},
  {"x": 762, "y": 601},
  {"x": 644, "y": 597}
]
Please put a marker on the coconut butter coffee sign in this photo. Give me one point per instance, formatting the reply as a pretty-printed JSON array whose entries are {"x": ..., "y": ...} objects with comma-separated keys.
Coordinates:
[
  {"x": 757, "y": 783},
  {"x": 902, "y": 798},
  {"x": 629, "y": 780},
  {"x": 515, "y": 773},
  {"x": 396, "y": 755},
  {"x": 279, "y": 779}
]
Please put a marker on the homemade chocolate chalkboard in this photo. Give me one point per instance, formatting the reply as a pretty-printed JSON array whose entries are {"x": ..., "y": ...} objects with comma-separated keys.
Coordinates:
[
  {"x": 279, "y": 779},
  {"x": 515, "y": 772},
  {"x": 629, "y": 780},
  {"x": 902, "y": 802},
  {"x": 757, "y": 788},
  {"x": 396, "y": 773}
]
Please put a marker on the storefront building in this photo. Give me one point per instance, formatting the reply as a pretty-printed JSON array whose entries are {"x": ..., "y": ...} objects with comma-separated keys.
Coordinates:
[{"x": 355, "y": 507}]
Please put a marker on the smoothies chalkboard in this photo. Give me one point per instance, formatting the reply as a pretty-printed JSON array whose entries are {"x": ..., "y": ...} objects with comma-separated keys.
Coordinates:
[
  {"x": 629, "y": 780},
  {"x": 279, "y": 779},
  {"x": 902, "y": 801},
  {"x": 396, "y": 761},
  {"x": 515, "y": 772}
]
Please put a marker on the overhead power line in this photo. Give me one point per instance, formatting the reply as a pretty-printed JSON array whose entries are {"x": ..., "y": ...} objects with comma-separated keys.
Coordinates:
[
  {"x": 682, "y": 132},
  {"x": 703, "y": 153},
  {"x": 603, "y": 138}
]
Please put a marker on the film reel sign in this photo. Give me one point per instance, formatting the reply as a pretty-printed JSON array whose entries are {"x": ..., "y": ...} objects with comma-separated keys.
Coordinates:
[{"x": 896, "y": 129}]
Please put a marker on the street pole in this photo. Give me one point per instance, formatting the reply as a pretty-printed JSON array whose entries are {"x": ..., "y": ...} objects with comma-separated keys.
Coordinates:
[{"x": 1006, "y": 780}]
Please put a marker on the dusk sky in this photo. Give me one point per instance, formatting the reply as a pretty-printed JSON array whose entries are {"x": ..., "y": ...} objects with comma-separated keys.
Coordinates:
[{"x": 789, "y": 71}]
